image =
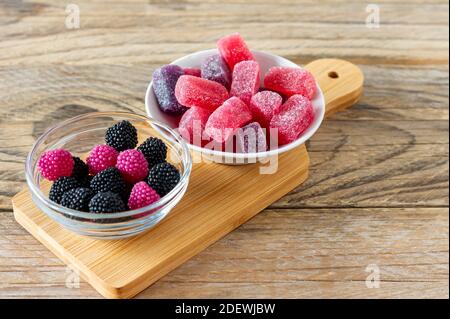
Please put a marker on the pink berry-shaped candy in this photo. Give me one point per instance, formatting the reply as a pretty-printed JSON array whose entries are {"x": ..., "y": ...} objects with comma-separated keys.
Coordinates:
[
  {"x": 289, "y": 81},
  {"x": 132, "y": 165},
  {"x": 264, "y": 105},
  {"x": 234, "y": 50},
  {"x": 245, "y": 81},
  {"x": 55, "y": 163},
  {"x": 142, "y": 195},
  {"x": 100, "y": 158},
  {"x": 295, "y": 116}
]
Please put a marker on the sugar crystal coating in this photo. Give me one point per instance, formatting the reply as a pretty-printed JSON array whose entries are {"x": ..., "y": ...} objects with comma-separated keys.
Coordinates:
[
  {"x": 234, "y": 50},
  {"x": 215, "y": 68},
  {"x": 245, "y": 81},
  {"x": 132, "y": 165},
  {"x": 55, "y": 163},
  {"x": 101, "y": 157},
  {"x": 295, "y": 116},
  {"x": 192, "y": 125},
  {"x": 192, "y": 71},
  {"x": 142, "y": 195},
  {"x": 264, "y": 105},
  {"x": 224, "y": 121},
  {"x": 251, "y": 139},
  {"x": 164, "y": 80},
  {"x": 289, "y": 81},
  {"x": 192, "y": 91}
]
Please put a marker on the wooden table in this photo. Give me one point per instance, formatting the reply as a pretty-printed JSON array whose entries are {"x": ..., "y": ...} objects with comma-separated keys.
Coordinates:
[{"x": 377, "y": 197}]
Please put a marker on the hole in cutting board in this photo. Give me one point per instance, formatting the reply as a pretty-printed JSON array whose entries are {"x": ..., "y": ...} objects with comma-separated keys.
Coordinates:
[{"x": 333, "y": 75}]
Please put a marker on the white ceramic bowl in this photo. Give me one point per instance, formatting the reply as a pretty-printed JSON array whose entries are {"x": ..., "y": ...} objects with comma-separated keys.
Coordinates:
[{"x": 266, "y": 61}]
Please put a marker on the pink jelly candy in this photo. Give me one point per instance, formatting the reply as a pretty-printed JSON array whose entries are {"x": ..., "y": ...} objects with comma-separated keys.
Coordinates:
[
  {"x": 289, "y": 81},
  {"x": 295, "y": 116},
  {"x": 245, "y": 81},
  {"x": 264, "y": 105},
  {"x": 226, "y": 119},
  {"x": 192, "y": 124},
  {"x": 192, "y": 71},
  {"x": 234, "y": 50},
  {"x": 193, "y": 91},
  {"x": 251, "y": 139},
  {"x": 215, "y": 68}
]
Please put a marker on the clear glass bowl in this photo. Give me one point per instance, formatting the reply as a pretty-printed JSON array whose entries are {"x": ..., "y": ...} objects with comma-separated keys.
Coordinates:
[{"x": 79, "y": 135}]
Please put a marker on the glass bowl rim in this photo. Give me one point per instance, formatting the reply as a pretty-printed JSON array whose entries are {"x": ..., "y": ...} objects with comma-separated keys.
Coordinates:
[{"x": 186, "y": 160}]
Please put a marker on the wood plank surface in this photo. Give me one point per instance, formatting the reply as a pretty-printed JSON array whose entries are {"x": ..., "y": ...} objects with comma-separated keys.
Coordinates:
[{"x": 378, "y": 186}]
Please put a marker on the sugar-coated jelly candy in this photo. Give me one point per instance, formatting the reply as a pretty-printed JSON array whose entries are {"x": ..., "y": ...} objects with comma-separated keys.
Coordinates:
[
  {"x": 294, "y": 117},
  {"x": 215, "y": 68},
  {"x": 251, "y": 139},
  {"x": 192, "y": 91},
  {"x": 245, "y": 81},
  {"x": 289, "y": 81},
  {"x": 192, "y": 71},
  {"x": 225, "y": 120},
  {"x": 164, "y": 80},
  {"x": 234, "y": 50},
  {"x": 264, "y": 105},
  {"x": 192, "y": 125}
]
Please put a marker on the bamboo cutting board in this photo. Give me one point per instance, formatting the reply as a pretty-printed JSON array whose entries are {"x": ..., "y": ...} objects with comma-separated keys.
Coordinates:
[{"x": 219, "y": 199}]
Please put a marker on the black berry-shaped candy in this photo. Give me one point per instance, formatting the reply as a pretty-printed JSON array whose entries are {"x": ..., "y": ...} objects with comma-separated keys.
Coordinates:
[
  {"x": 80, "y": 171},
  {"x": 163, "y": 177},
  {"x": 154, "y": 150},
  {"x": 122, "y": 136},
  {"x": 106, "y": 202},
  {"x": 78, "y": 198},
  {"x": 108, "y": 180},
  {"x": 60, "y": 186}
]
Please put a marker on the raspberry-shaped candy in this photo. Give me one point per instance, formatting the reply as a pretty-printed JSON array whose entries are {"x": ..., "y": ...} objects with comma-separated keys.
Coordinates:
[
  {"x": 101, "y": 157},
  {"x": 55, "y": 163},
  {"x": 142, "y": 195},
  {"x": 132, "y": 165}
]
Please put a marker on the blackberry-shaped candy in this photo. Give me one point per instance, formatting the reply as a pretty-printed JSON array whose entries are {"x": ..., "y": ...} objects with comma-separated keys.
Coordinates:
[
  {"x": 106, "y": 202},
  {"x": 80, "y": 171},
  {"x": 78, "y": 198},
  {"x": 163, "y": 177},
  {"x": 154, "y": 150},
  {"x": 60, "y": 186},
  {"x": 108, "y": 180},
  {"x": 122, "y": 136}
]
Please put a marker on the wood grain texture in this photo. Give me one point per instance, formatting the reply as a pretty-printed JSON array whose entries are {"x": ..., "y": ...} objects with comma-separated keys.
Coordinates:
[{"x": 378, "y": 171}]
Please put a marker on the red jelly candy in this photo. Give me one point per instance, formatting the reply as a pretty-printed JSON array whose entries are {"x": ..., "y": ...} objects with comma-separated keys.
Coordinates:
[
  {"x": 193, "y": 91},
  {"x": 245, "y": 81},
  {"x": 224, "y": 121},
  {"x": 234, "y": 50},
  {"x": 192, "y": 71},
  {"x": 264, "y": 105},
  {"x": 294, "y": 118},
  {"x": 289, "y": 81},
  {"x": 192, "y": 125}
]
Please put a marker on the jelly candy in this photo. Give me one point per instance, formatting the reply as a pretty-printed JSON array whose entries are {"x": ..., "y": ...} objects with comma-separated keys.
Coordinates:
[
  {"x": 192, "y": 125},
  {"x": 215, "y": 68},
  {"x": 289, "y": 81},
  {"x": 294, "y": 117},
  {"x": 245, "y": 81},
  {"x": 164, "y": 81},
  {"x": 264, "y": 105},
  {"x": 192, "y": 71},
  {"x": 234, "y": 50},
  {"x": 226, "y": 119},
  {"x": 251, "y": 139},
  {"x": 192, "y": 91}
]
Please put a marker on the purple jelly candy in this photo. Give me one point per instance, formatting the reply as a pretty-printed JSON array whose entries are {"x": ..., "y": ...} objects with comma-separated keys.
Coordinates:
[
  {"x": 164, "y": 80},
  {"x": 251, "y": 139},
  {"x": 215, "y": 68}
]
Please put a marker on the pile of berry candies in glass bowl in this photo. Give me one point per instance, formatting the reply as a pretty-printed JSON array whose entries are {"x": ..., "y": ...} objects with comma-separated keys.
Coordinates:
[
  {"x": 221, "y": 105},
  {"x": 117, "y": 176}
]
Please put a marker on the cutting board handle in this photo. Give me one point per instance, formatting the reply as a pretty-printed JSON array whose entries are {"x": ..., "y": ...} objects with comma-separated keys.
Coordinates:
[{"x": 341, "y": 83}]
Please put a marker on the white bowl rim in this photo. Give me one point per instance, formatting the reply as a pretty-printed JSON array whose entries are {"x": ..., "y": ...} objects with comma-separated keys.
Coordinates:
[{"x": 318, "y": 118}]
